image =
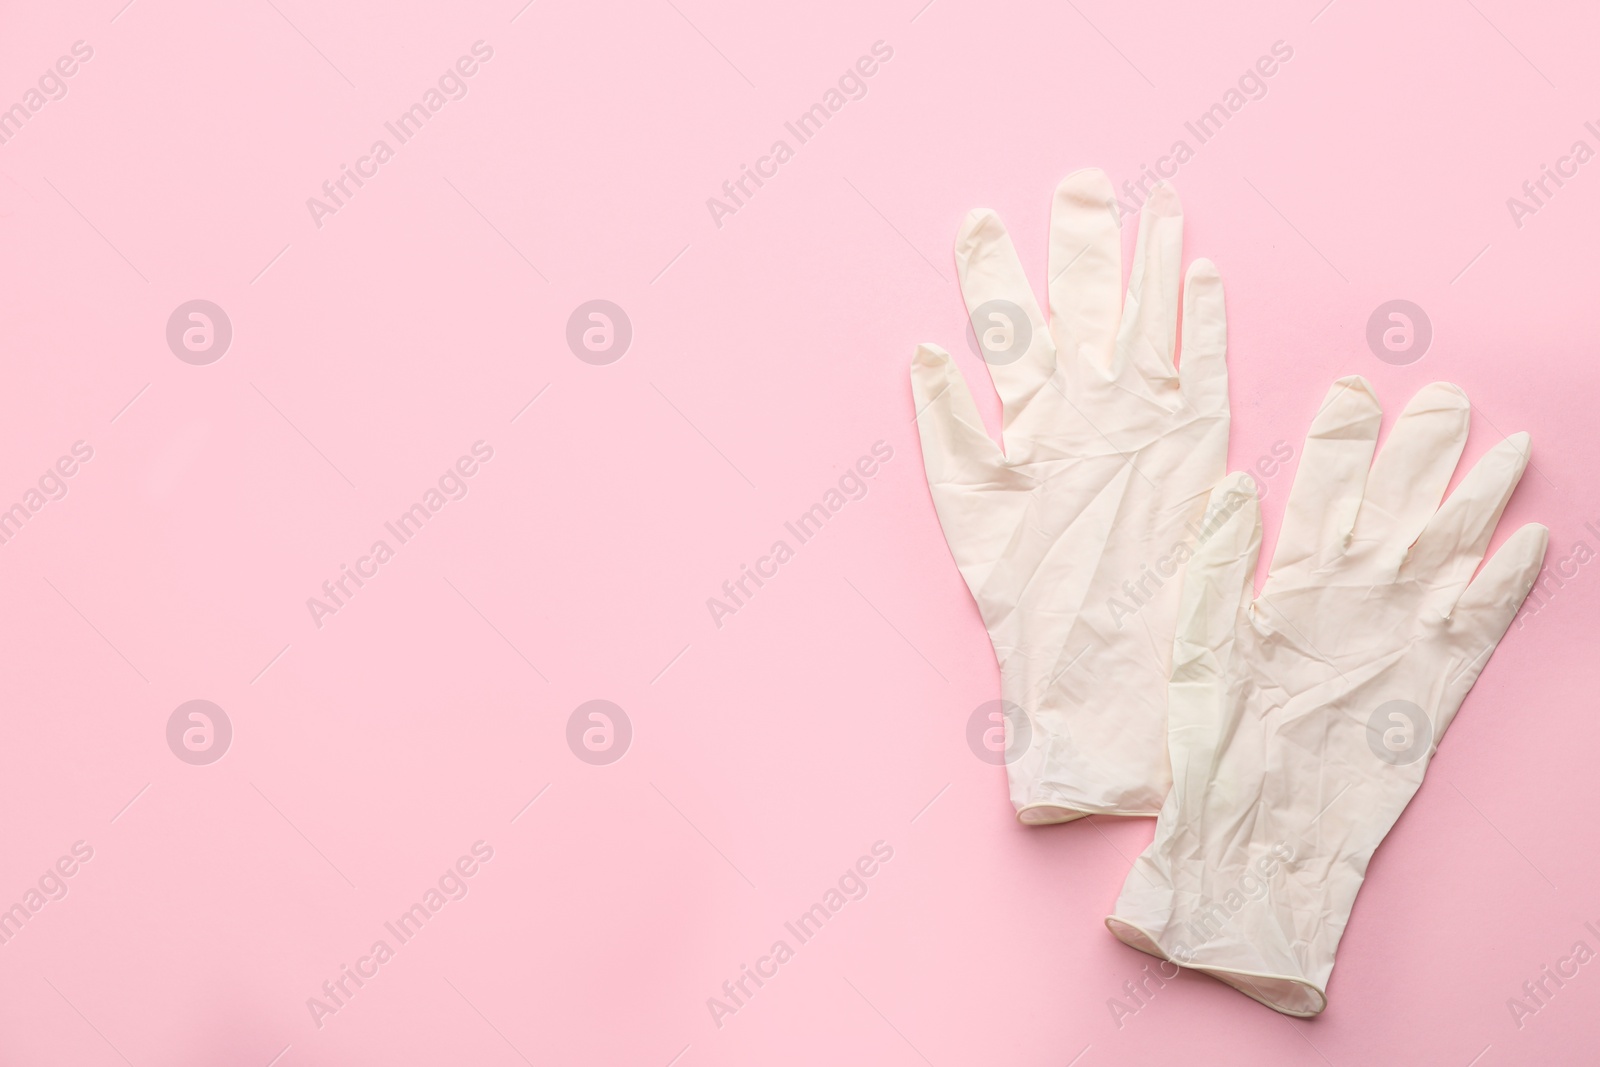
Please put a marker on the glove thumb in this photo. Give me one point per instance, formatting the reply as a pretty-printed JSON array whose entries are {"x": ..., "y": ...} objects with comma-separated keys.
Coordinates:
[{"x": 1218, "y": 586}]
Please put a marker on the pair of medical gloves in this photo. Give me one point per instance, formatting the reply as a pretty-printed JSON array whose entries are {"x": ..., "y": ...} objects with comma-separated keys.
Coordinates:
[{"x": 1276, "y": 736}]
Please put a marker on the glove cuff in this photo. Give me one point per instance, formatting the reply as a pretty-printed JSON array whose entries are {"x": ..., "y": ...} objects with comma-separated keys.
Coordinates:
[
  {"x": 1287, "y": 993},
  {"x": 1069, "y": 758}
]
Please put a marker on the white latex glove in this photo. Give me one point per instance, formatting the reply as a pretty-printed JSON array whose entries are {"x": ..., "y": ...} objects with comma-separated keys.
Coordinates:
[
  {"x": 1301, "y": 721},
  {"x": 1072, "y": 540}
]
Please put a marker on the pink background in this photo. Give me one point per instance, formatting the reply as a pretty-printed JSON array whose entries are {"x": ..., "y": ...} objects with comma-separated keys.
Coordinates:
[{"x": 768, "y": 354}]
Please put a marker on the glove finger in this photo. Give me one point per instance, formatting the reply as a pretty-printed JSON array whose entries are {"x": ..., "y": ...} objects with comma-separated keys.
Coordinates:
[
  {"x": 1453, "y": 543},
  {"x": 1326, "y": 495},
  {"x": 1149, "y": 327},
  {"x": 1220, "y": 579},
  {"x": 1203, "y": 374},
  {"x": 1085, "y": 269},
  {"x": 1011, "y": 330},
  {"x": 1487, "y": 607},
  {"x": 1413, "y": 469},
  {"x": 955, "y": 446}
]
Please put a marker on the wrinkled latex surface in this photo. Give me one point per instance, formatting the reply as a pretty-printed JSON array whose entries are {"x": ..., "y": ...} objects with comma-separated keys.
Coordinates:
[
  {"x": 1290, "y": 760},
  {"x": 1110, "y": 453}
]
